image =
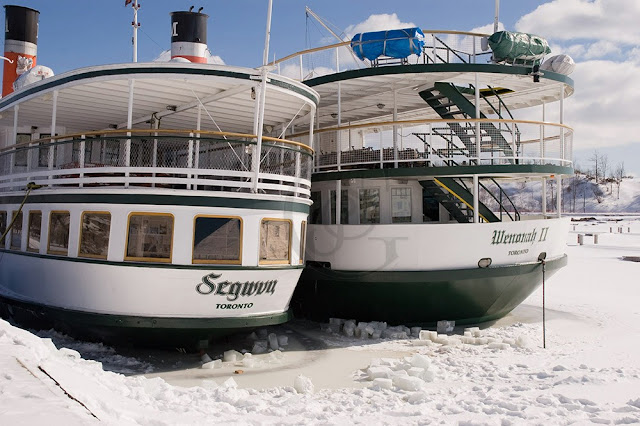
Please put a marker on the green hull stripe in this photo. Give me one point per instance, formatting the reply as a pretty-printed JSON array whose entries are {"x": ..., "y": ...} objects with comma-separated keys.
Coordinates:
[
  {"x": 159, "y": 200},
  {"x": 149, "y": 70},
  {"x": 207, "y": 266},
  {"x": 403, "y": 172},
  {"x": 418, "y": 297},
  {"x": 433, "y": 68}
]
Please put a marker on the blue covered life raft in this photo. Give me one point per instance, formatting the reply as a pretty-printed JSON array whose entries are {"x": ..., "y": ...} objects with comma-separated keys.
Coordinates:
[{"x": 391, "y": 43}]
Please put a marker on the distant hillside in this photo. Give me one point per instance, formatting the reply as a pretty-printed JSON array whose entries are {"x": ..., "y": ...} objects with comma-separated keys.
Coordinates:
[{"x": 580, "y": 195}]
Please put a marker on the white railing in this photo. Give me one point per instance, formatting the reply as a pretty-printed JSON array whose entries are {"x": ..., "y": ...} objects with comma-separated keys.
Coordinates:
[
  {"x": 436, "y": 143},
  {"x": 178, "y": 159},
  {"x": 440, "y": 47}
]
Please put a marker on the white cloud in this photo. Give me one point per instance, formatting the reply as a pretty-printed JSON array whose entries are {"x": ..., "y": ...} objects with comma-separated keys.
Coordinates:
[
  {"x": 378, "y": 23},
  {"x": 601, "y": 49},
  {"x": 612, "y": 20}
]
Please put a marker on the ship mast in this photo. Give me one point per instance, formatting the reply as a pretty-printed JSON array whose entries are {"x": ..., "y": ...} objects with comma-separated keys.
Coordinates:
[{"x": 135, "y": 26}]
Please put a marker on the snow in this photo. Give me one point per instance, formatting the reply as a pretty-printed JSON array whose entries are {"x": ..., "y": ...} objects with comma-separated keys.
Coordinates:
[{"x": 498, "y": 373}]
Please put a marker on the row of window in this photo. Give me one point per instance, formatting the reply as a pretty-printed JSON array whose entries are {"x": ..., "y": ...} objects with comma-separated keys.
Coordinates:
[
  {"x": 369, "y": 203},
  {"x": 216, "y": 239}
]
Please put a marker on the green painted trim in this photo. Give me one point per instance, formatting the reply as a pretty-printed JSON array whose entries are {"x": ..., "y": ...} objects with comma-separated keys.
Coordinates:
[
  {"x": 466, "y": 296},
  {"x": 402, "y": 172},
  {"x": 433, "y": 68},
  {"x": 128, "y": 70},
  {"x": 131, "y": 321},
  {"x": 159, "y": 200},
  {"x": 199, "y": 266}
]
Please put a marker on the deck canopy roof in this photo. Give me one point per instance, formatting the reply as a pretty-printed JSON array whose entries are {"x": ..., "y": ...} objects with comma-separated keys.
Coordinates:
[{"x": 97, "y": 98}]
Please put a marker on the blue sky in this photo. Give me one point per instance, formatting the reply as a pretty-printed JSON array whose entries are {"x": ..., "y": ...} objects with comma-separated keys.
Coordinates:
[{"x": 603, "y": 37}]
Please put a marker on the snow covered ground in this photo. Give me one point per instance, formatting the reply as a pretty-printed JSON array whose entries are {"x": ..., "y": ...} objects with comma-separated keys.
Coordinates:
[{"x": 588, "y": 373}]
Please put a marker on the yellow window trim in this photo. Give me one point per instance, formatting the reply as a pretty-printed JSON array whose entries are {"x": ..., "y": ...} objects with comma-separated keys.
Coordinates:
[
  {"x": 149, "y": 259},
  {"x": 217, "y": 261},
  {"x": 29, "y": 249}
]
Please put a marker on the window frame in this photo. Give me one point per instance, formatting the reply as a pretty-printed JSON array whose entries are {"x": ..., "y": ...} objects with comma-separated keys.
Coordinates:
[
  {"x": 88, "y": 255},
  {"x": 149, "y": 259},
  {"x": 13, "y": 214},
  {"x": 275, "y": 262},
  {"x": 360, "y": 206},
  {"x": 217, "y": 261},
  {"x": 391, "y": 195},
  {"x": 59, "y": 252},
  {"x": 303, "y": 241}
]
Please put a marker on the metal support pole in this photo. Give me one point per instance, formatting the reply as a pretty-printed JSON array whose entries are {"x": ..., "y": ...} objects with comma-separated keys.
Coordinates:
[
  {"x": 338, "y": 200},
  {"x": 476, "y": 203},
  {"x": 196, "y": 154},
  {"x": 478, "y": 133},
  {"x": 395, "y": 129},
  {"x": 338, "y": 132},
  {"x": 127, "y": 147},
  {"x": 544, "y": 197},
  {"x": 54, "y": 113}
]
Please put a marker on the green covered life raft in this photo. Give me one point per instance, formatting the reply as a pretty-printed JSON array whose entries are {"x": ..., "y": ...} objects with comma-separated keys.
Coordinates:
[{"x": 518, "y": 48}]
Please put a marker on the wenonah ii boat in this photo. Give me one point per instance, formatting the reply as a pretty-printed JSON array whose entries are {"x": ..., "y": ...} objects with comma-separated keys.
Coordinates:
[
  {"x": 154, "y": 202},
  {"x": 419, "y": 161}
]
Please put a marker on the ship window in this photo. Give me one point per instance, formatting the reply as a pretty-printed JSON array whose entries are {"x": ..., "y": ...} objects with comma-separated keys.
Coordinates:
[
  {"x": 344, "y": 206},
  {"x": 3, "y": 226},
  {"x": 59, "y": 233},
  {"x": 315, "y": 212},
  {"x": 303, "y": 240},
  {"x": 94, "y": 234},
  {"x": 35, "y": 225},
  {"x": 275, "y": 241},
  {"x": 150, "y": 237},
  {"x": 400, "y": 205},
  {"x": 16, "y": 231},
  {"x": 369, "y": 206},
  {"x": 217, "y": 240}
]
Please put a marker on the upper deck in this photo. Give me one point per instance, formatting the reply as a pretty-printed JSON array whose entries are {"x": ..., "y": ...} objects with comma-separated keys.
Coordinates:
[
  {"x": 449, "y": 106},
  {"x": 176, "y": 125}
]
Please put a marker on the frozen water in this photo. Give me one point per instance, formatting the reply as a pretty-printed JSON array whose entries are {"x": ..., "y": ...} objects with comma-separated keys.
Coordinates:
[
  {"x": 273, "y": 341},
  {"x": 232, "y": 356},
  {"x": 382, "y": 383},
  {"x": 259, "y": 347},
  {"x": 408, "y": 383}
]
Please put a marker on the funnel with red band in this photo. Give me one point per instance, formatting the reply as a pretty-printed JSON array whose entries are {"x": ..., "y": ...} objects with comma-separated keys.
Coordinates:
[
  {"x": 189, "y": 36},
  {"x": 20, "y": 44}
]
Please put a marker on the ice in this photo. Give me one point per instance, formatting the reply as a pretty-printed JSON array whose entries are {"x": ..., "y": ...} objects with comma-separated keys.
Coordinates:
[
  {"x": 349, "y": 328},
  {"x": 276, "y": 355},
  {"x": 421, "y": 343},
  {"x": 376, "y": 372},
  {"x": 382, "y": 383},
  {"x": 283, "y": 340},
  {"x": 408, "y": 383},
  {"x": 262, "y": 333},
  {"x": 376, "y": 334},
  {"x": 420, "y": 361},
  {"x": 428, "y": 335},
  {"x": 303, "y": 384},
  {"x": 259, "y": 347},
  {"x": 212, "y": 364},
  {"x": 415, "y": 371},
  {"x": 415, "y": 331},
  {"x": 250, "y": 362},
  {"x": 205, "y": 358},
  {"x": 232, "y": 356},
  {"x": 229, "y": 383},
  {"x": 209, "y": 384},
  {"x": 445, "y": 326},
  {"x": 253, "y": 336},
  {"x": 496, "y": 345},
  {"x": 522, "y": 342},
  {"x": 70, "y": 353},
  {"x": 273, "y": 341}
]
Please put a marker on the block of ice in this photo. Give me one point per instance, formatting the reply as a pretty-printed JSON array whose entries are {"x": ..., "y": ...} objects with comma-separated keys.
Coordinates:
[
  {"x": 253, "y": 336},
  {"x": 429, "y": 375},
  {"x": 408, "y": 383},
  {"x": 262, "y": 333},
  {"x": 232, "y": 356},
  {"x": 229, "y": 383},
  {"x": 415, "y": 371},
  {"x": 273, "y": 341},
  {"x": 376, "y": 372},
  {"x": 417, "y": 398},
  {"x": 382, "y": 383},
  {"x": 376, "y": 334},
  {"x": 336, "y": 321},
  {"x": 421, "y": 343},
  {"x": 349, "y": 331},
  {"x": 259, "y": 347},
  {"x": 212, "y": 364},
  {"x": 522, "y": 342},
  {"x": 276, "y": 355},
  {"x": 428, "y": 335},
  {"x": 421, "y": 361},
  {"x": 496, "y": 345},
  {"x": 250, "y": 362},
  {"x": 415, "y": 331},
  {"x": 283, "y": 340},
  {"x": 444, "y": 327},
  {"x": 205, "y": 358},
  {"x": 303, "y": 384}
]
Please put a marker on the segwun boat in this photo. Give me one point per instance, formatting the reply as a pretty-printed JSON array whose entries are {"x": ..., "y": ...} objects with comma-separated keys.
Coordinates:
[{"x": 151, "y": 203}]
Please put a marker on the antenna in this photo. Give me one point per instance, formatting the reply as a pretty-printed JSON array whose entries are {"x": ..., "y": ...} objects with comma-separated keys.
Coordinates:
[
  {"x": 317, "y": 18},
  {"x": 135, "y": 26},
  {"x": 496, "y": 16}
]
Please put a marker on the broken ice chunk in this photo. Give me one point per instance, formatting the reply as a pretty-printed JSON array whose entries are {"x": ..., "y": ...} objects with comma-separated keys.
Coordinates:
[{"x": 303, "y": 384}]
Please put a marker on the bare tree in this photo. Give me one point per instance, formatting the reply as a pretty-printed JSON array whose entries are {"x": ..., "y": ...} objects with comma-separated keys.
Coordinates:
[
  {"x": 618, "y": 174},
  {"x": 595, "y": 160}
]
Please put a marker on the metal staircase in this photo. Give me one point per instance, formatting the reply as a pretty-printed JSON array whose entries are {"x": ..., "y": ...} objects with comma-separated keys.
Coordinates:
[
  {"x": 454, "y": 196},
  {"x": 450, "y": 103}
]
